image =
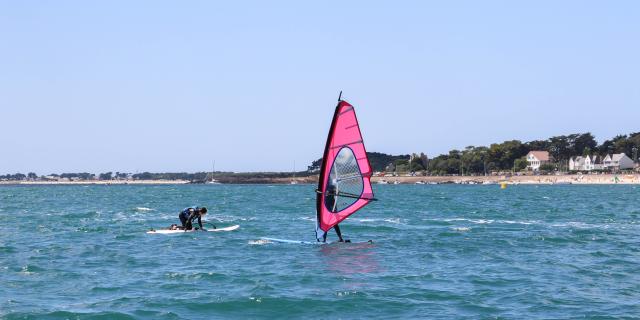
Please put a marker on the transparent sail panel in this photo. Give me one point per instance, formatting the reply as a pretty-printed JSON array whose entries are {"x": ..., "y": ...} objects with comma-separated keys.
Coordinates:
[{"x": 345, "y": 183}]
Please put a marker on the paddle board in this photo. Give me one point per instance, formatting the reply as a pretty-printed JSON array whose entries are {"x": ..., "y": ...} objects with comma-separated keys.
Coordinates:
[{"x": 167, "y": 231}]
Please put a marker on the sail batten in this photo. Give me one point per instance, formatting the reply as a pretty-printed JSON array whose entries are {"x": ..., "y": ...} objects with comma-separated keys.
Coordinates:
[
  {"x": 346, "y": 144},
  {"x": 344, "y": 186}
]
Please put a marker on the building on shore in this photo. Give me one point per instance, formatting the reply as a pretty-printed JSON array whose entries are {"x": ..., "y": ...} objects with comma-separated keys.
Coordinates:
[
  {"x": 617, "y": 161},
  {"x": 537, "y": 158},
  {"x": 593, "y": 163},
  {"x": 586, "y": 163},
  {"x": 578, "y": 163}
]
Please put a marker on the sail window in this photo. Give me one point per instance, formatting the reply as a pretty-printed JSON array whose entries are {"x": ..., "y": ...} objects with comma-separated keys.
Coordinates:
[{"x": 345, "y": 184}]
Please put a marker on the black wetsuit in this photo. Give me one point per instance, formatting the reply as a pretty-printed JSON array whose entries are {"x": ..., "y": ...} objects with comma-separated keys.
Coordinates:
[
  {"x": 330, "y": 202},
  {"x": 337, "y": 229},
  {"x": 187, "y": 216}
]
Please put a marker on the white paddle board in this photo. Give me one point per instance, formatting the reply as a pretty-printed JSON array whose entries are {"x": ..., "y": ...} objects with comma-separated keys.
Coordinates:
[{"x": 167, "y": 231}]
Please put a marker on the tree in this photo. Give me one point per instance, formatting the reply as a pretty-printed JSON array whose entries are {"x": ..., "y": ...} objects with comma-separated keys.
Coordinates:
[
  {"x": 424, "y": 160},
  {"x": 538, "y": 145},
  {"x": 611, "y": 146},
  {"x": 105, "y": 176},
  {"x": 143, "y": 176},
  {"x": 315, "y": 165},
  {"x": 86, "y": 176},
  {"x": 504, "y": 154},
  {"x": 547, "y": 167},
  {"x": 582, "y": 142},
  {"x": 402, "y": 165},
  {"x": 520, "y": 164},
  {"x": 32, "y": 176}
]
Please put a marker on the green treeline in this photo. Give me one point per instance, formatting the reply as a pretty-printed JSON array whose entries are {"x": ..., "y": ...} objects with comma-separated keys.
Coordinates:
[
  {"x": 510, "y": 155},
  {"x": 505, "y": 156}
]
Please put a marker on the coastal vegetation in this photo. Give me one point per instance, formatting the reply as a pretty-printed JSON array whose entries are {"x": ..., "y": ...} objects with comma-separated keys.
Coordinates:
[
  {"x": 472, "y": 160},
  {"x": 510, "y": 155}
]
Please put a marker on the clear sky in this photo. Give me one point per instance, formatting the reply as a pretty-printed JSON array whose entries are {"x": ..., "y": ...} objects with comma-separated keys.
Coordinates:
[{"x": 173, "y": 85}]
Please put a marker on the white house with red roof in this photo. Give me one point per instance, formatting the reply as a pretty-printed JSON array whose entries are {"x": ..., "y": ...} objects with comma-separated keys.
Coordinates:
[{"x": 537, "y": 158}]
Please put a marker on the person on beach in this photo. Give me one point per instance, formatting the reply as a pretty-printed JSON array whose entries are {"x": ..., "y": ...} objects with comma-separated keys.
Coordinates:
[
  {"x": 330, "y": 201},
  {"x": 189, "y": 214}
]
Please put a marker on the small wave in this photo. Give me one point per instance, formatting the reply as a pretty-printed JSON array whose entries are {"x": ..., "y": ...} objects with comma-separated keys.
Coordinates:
[
  {"x": 476, "y": 221},
  {"x": 393, "y": 220},
  {"x": 29, "y": 270},
  {"x": 517, "y": 222},
  {"x": 258, "y": 242},
  {"x": 485, "y": 221},
  {"x": 143, "y": 209},
  {"x": 461, "y": 229},
  {"x": 194, "y": 276},
  {"x": 389, "y": 220},
  {"x": 227, "y": 218},
  {"x": 580, "y": 225},
  {"x": 346, "y": 293},
  {"x": 7, "y": 249}
]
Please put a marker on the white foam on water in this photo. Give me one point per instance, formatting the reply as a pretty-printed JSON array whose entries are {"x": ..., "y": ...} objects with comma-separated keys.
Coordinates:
[
  {"x": 484, "y": 221},
  {"x": 228, "y": 218},
  {"x": 258, "y": 242},
  {"x": 580, "y": 225},
  {"x": 461, "y": 229},
  {"x": 388, "y": 220},
  {"x": 526, "y": 222},
  {"x": 393, "y": 220},
  {"x": 25, "y": 271},
  {"x": 144, "y": 209}
]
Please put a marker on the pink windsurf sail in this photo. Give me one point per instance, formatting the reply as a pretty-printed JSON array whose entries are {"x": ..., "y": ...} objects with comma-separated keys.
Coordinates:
[{"x": 344, "y": 186}]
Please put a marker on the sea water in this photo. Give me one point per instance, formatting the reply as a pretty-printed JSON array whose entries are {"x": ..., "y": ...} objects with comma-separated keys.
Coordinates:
[{"x": 438, "y": 252}]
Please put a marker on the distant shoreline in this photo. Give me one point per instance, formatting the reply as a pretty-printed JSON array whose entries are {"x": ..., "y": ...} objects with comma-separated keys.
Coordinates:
[
  {"x": 95, "y": 182},
  {"x": 528, "y": 179}
]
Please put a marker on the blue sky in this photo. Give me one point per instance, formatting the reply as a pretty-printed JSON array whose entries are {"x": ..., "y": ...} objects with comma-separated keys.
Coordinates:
[{"x": 171, "y": 86}]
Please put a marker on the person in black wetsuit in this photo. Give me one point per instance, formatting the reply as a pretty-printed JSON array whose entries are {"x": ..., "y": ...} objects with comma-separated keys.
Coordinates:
[
  {"x": 330, "y": 202},
  {"x": 189, "y": 214}
]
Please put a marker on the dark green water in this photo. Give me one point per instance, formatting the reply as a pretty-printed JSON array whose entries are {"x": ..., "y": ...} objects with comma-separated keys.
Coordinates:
[{"x": 441, "y": 252}]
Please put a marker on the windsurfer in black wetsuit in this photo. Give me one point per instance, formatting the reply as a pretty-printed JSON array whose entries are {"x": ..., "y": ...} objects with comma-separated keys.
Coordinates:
[
  {"x": 189, "y": 214},
  {"x": 330, "y": 201}
]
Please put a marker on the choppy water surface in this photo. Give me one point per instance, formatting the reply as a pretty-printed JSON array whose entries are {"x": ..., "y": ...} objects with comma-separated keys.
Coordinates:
[{"x": 448, "y": 252}]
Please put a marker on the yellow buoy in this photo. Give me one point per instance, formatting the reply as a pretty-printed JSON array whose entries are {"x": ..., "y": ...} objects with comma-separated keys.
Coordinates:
[{"x": 503, "y": 185}]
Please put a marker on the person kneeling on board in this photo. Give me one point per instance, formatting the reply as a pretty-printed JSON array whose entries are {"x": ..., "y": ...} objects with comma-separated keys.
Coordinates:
[{"x": 189, "y": 214}]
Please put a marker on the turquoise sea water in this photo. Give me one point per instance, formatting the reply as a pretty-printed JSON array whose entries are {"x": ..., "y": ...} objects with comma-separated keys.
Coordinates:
[{"x": 441, "y": 252}]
